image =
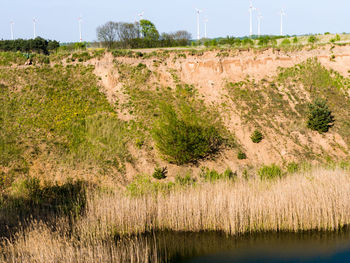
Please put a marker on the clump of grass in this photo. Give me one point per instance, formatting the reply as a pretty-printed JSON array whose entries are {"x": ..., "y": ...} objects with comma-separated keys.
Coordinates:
[
  {"x": 213, "y": 175},
  {"x": 241, "y": 155},
  {"x": 293, "y": 167},
  {"x": 256, "y": 136},
  {"x": 270, "y": 172}
]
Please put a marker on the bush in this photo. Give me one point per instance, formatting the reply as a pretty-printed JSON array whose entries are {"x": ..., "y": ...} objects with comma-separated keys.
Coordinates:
[
  {"x": 320, "y": 118},
  {"x": 270, "y": 172},
  {"x": 241, "y": 155},
  {"x": 183, "y": 137},
  {"x": 160, "y": 173},
  {"x": 257, "y": 136}
]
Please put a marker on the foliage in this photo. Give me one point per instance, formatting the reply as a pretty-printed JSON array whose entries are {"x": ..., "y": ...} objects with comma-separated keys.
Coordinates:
[
  {"x": 38, "y": 45},
  {"x": 185, "y": 180},
  {"x": 143, "y": 185},
  {"x": 256, "y": 136},
  {"x": 270, "y": 172},
  {"x": 285, "y": 42},
  {"x": 320, "y": 118},
  {"x": 160, "y": 173},
  {"x": 183, "y": 137},
  {"x": 213, "y": 175},
  {"x": 312, "y": 39},
  {"x": 293, "y": 167},
  {"x": 241, "y": 155},
  {"x": 149, "y": 30}
]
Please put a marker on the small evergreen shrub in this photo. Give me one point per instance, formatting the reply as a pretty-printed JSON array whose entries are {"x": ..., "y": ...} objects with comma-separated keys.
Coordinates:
[
  {"x": 160, "y": 173},
  {"x": 257, "y": 136},
  {"x": 241, "y": 155},
  {"x": 320, "y": 118},
  {"x": 270, "y": 172}
]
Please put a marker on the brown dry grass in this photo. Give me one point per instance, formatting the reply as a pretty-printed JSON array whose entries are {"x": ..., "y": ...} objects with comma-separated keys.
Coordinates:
[{"x": 319, "y": 200}]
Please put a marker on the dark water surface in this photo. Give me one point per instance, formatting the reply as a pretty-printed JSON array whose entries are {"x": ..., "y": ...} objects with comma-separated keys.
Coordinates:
[{"x": 272, "y": 247}]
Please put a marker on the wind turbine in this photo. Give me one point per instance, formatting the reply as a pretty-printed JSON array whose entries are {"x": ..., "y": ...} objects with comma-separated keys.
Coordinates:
[
  {"x": 251, "y": 9},
  {"x": 80, "y": 34},
  {"x": 198, "y": 11},
  {"x": 259, "y": 23},
  {"x": 12, "y": 23},
  {"x": 205, "y": 27},
  {"x": 282, "y": 13},
  {"x": 34, "y": 26}
]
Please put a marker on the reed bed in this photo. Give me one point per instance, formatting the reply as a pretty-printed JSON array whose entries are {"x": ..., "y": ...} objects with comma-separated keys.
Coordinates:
[
  {"x": 319, "y": 200},
  {"x": 112, "y": 227}
]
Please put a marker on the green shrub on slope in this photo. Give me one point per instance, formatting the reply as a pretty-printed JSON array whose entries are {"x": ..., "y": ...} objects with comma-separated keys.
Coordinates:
[
  {"x": 320, "y": 118},
  {"x": 183, "y": 137}
]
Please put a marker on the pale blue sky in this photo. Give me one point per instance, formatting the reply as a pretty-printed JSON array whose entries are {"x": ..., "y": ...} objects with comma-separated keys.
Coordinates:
[{"x": 58, "y": 19}]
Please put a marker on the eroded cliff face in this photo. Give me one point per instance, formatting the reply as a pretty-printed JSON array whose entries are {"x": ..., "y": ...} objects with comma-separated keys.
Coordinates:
[{"x": 261, "y": 101}]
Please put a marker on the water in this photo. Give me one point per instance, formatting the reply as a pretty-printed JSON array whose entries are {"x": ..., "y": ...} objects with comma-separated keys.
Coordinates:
[{"x": 281, "y": 247}]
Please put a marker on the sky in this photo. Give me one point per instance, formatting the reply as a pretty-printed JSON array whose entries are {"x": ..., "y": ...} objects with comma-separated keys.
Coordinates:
[{"x": 58, "y": 19}]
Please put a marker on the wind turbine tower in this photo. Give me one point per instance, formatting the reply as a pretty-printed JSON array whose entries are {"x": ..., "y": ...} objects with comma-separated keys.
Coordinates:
[
  {"x": 34, "y": 26},
  {"x": 282, "y": 13},
  {"x": 198, "y": 11},
  {"x": 80, "y": 34},
  {"x": 205, "y": 27},
  {"x": 12, "y": 23},
  {"x": 251, "y": 9},
  {"x": 259, "y": 23}
]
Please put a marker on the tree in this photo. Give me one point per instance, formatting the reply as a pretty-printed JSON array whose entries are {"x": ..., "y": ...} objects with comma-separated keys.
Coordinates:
[
  {"x": 149, "y": 30},
  {"x": 127, "y": 32},
  {"x": 53, "y": 45},
  {"x": 320, "y": 118},
  {"x": 108, "y": 33}
]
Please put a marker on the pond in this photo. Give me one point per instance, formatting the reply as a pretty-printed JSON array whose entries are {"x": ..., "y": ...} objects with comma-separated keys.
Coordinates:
[{"x": 269, "y": 247}]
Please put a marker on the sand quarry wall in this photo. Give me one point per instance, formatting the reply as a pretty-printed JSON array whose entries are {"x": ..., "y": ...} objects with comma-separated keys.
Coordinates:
[{"x": 210, "y": 73}]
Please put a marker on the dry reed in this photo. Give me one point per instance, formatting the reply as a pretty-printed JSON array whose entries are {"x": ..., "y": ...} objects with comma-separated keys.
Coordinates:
[{"x": 319, "y": 200}]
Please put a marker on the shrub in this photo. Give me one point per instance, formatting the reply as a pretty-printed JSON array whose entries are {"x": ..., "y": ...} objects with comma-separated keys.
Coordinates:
[
  {"x": 270, "y": 172},
  {"x": 295, "y": 40},
  {"x": 241, "y": 155},
  {"x": 160, "y": 173},
  {"x": 320, "y": 118},
  {"x": 257, "y": 136},
  {"x": 183, "y": 137}
]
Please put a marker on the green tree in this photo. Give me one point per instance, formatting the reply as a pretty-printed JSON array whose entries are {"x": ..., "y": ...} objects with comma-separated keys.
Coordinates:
[
  {"x": 149, "y": 30},
  {"x": 320, "y": 118}
]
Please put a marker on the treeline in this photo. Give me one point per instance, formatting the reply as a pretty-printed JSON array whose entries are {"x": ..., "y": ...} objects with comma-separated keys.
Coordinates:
[
  {"x": 245, "y": 41},
  {"x": 37, "y": 45},
  {"x": 143, "y": 34}
]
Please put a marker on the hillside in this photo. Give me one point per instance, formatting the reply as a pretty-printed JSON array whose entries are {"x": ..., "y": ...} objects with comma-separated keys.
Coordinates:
[{"x": 93, "y": 114}]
